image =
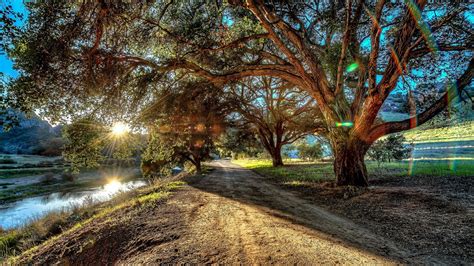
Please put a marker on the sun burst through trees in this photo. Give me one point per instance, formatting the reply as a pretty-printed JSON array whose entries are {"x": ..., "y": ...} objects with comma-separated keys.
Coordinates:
[{"x": 119, "y": 129}]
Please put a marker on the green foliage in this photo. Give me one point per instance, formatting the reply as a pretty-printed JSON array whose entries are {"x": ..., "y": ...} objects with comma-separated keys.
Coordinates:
[
  {"x": 84, "y": 143},
  {"x": 310, "y": 152},
  {"x": 239, "y": 141},
  {"x": 158, "y": 157},
  {"x": 393, "y": 147},
  {"x": 185, "y": 126}
]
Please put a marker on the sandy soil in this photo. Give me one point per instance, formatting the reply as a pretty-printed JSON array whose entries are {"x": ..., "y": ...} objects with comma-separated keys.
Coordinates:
[{"x": 230, "y": 216}]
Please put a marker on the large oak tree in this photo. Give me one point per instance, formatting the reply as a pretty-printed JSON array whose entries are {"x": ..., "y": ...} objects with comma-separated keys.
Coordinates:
[
  {"x": 279, "y": 113},
  {"x": 348, "y": 55}
]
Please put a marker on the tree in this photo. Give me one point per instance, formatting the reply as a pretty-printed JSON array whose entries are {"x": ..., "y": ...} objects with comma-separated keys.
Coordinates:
[
  {"x": 348, "y": 55},
  {"x": 185, "y": 124},
  {"x": 83, "y": 143},
  {"x": 88, "y": 142},
  {"x": 309, "y": 152},
  {"x": 393, "y": 147},
  {"x": 279, "y": 113},
  {"x": 239, "y": 141}
]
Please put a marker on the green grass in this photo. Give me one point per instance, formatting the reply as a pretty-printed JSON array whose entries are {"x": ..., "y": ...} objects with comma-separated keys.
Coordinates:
[
  {"x": 460, "y": 132},
  {"x": 316, "y": 172},
  {"x": 21, "y": 172}
]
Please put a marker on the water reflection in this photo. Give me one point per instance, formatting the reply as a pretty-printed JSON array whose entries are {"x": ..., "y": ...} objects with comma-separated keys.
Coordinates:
[{"x": 17, "y": 213}]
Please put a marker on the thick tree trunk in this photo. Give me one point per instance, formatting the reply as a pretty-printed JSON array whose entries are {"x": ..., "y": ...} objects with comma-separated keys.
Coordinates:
[
  {"x": 349, "y": 166},
  {"x": 276, "y": 157}
]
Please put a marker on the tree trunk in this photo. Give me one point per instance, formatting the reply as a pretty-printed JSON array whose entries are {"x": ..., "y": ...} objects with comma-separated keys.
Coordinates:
[
  {"x": 276, "y": 157},
  {"x": 349, "y": 166},
  {"x": 198, "y": 166}
]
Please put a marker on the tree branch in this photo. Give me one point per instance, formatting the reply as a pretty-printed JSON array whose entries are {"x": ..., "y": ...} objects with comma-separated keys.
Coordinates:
[{"x": 452, "y": 93}]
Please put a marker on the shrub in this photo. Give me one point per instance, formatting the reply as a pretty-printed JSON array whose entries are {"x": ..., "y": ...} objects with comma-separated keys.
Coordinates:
[
  {"x": 310, "y": 152},
  {"x": 391, "y": 148},
  {"x": 189, "y": 167}
]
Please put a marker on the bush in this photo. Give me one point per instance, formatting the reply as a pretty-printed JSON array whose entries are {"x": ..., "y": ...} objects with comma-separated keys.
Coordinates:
[
  {"x": 391, "y": 148},
  {"x": 7, "y": 161},
  {"x": 189, "y": 167},
  {"x": 48, "y": 178},
  {"x": 310, "y": 152}
]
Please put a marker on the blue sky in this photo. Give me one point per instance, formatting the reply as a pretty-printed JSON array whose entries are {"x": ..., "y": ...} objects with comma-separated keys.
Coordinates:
[{"x": 6, "y": 65}]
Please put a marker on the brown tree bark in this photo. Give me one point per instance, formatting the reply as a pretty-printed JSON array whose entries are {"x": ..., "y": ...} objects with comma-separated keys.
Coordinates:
[
  {"x": 198, "y": 166},
  {"x": 349, "y": 165},
  {"x": 276, "y": 157}
]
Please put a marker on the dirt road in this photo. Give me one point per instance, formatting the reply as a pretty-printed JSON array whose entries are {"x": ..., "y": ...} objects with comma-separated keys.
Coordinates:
[
  {"x": 229, "y": 216},
  {"x": 234, "y": 215}
]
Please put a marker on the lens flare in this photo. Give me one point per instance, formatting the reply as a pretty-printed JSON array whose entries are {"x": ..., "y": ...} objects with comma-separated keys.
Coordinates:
[
  {"x": 120, "y": 128},
  {"x": 352, "y": 67},
  {"x": 344, "y": 124},
  {"x": 422, "y": 26},
  {"x": 113, "y": 186}
]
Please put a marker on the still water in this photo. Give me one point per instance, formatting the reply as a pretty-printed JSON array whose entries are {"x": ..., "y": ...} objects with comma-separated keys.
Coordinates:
[{"x": 20, "y": 212}]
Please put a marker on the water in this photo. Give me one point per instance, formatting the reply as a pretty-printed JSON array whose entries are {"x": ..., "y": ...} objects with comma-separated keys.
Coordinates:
[{"x": 20, "y": 212}]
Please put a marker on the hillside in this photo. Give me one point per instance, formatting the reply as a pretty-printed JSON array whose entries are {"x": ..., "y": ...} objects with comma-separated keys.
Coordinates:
[
  {"x": 31, "y": 136},
  {"x": 457, "y": 132}
]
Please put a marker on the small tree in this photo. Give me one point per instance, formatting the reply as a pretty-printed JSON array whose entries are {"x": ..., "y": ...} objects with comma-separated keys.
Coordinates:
[
  {"x": 239, "y": 141},
  {"x": 184, "y": 125},
  {"x": 310, "y": 152},
  {"x": 83, "y": 143},
  {"x": 391, "y": 148},
  {"x": 88, "y": 142}
]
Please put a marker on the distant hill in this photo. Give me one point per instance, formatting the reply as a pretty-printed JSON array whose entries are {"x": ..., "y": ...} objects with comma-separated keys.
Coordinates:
[{"x": 31, "y": 136}]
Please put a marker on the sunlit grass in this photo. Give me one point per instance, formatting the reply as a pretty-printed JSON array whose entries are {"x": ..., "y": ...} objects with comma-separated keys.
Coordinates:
[
  {"x": 460, "y": 132},
  {"x": 323, "y": 171}
]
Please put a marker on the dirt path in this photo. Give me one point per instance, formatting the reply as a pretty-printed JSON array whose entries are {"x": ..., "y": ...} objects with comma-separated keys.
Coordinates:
[
  {"x": 234, "y": 215},
  {"x": 229, "y": 216}
]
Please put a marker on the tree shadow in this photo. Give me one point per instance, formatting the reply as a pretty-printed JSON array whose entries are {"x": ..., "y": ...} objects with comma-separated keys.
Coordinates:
[{"x": 242, "y": 185}]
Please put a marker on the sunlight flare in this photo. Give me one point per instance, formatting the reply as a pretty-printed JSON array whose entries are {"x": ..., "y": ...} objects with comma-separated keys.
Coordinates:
[
  {"x": 113, "y": 186},
  {"x": 120, "y": 128}
]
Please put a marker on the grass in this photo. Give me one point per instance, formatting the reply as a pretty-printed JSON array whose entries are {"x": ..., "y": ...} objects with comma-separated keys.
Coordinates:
[
  {"x": 298, "y": 171},
  {"x": 460, "y": 132},
  {"x": 12, "y": 173},
  {"x": 46, "y": 230}
]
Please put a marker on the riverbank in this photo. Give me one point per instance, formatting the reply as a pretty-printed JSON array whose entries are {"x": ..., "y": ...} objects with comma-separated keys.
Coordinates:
[
  {"x": 29, "y": 238},
  {"x": 234, "y": 216},
  {"x": 20, "y": 187}
]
